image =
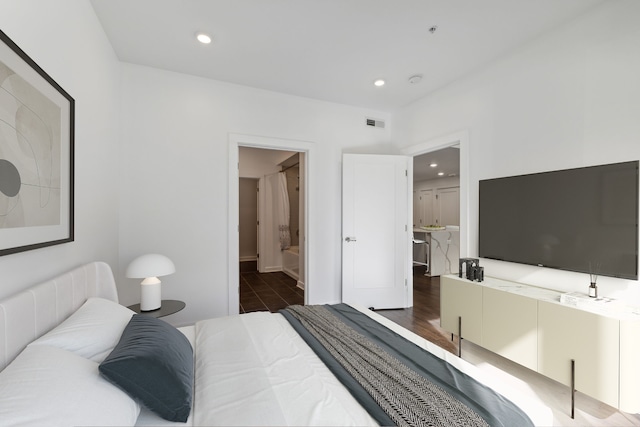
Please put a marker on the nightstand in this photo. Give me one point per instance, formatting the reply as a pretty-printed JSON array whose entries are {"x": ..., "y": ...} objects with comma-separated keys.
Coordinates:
[{"x": 167, "y": 307}]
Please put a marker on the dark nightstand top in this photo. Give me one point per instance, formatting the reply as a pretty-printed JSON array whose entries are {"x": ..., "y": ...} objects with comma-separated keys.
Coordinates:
[{"x": 167, "y": 307}]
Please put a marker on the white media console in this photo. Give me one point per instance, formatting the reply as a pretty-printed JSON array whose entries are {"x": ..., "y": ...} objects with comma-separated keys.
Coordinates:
[{"x": 590, "y": 344}]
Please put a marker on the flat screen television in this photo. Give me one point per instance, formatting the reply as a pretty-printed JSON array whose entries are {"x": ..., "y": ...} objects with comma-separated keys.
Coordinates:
[{"x": 583, "y": 220}]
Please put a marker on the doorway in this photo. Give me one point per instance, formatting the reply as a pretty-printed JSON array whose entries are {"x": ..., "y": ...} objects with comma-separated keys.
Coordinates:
[
  {"x": 271, "y": 210},
  {"x": 460, "y": 142},
  {"x": 307, "y": 219},
  {"x": 423, "y": 317},
  {"x": 271, "y": 146},
  {"x": 436, "y": 211}
]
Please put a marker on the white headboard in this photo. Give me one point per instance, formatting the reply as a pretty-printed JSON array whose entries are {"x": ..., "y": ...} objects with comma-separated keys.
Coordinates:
[{"x": 35, "y": 311}]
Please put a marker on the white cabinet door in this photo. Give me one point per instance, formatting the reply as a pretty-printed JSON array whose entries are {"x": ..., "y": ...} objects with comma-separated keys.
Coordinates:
[
  {"x": 416, "y": 209},
  {"x": 629, "y": 366},
  {"x": 426, "y": 208},
  {"x": 510, "y": 325},
  {"x": 592, "y": 340},
  {"x": 376, "y": 239},
  {"x": 461, "y": 298},
  {"x": 448, "y": 208}
]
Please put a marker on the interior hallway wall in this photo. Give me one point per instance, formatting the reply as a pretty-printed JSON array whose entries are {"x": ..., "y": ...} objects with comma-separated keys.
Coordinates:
[{"x": 248, "y": 229}]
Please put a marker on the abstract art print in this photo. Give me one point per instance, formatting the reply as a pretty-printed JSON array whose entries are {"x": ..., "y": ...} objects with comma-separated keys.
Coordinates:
[{"x": 36, "y": 155}]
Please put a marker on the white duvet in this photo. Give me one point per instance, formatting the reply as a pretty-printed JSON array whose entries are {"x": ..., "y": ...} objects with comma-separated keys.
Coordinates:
[
  {"x": 266, "y": 375},
  {"x": 255, "y": 370}
]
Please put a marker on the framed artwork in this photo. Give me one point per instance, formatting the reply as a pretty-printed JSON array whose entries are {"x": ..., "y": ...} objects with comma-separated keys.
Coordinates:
[{"x": 36, "y": 155}]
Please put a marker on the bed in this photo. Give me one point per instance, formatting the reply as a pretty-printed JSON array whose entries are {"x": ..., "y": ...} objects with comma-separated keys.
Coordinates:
[{"x": 66, "y": 359}]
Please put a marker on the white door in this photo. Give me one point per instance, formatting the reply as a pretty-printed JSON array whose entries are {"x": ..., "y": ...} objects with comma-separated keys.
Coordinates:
[{"x": 376, "y": 230}]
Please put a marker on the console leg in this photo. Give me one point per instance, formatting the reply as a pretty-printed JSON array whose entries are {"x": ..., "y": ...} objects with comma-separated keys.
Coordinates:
[
  {"x": 459, "y": 336},
  {"x": 573, "y": 387}
]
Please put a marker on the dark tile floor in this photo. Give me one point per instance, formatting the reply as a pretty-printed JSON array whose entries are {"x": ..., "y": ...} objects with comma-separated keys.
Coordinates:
[{"x": 266, "y": 291}]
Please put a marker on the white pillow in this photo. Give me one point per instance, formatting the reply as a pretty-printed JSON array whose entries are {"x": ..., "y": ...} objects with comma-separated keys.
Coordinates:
[
  {"x": 92, "y": 331},
  {"x": 53, "y": 387}
]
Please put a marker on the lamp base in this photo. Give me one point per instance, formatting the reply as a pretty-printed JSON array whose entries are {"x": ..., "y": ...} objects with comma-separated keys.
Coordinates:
[{"x": 150, "y": 296}]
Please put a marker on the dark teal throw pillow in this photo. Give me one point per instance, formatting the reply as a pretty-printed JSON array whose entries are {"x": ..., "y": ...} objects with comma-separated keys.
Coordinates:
[{"x": 153, "y": 363}]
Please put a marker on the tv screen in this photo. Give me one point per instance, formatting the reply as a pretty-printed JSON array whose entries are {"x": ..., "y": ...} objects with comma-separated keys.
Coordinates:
[{"x": 583, "y": 220}]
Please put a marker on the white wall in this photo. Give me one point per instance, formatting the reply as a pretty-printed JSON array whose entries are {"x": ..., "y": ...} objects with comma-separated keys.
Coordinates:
[
  {"x": 257, "y": 162},
  {"x": 571, "y": 98},
  {"x": 175, "y": 187},
  {"x": 248, "y": 219},
  {"x": 66, "y": 40}
]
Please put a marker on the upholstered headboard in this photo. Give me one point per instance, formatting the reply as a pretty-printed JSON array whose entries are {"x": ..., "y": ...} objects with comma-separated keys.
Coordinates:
[{"x": 35, "y": 311}]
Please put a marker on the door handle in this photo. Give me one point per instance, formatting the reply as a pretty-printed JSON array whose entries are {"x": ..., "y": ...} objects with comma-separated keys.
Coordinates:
[{"x": 349, "y": 239}]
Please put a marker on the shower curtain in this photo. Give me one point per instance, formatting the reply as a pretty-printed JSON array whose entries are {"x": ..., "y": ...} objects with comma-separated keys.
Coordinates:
[{"x": 283, "y": 212}]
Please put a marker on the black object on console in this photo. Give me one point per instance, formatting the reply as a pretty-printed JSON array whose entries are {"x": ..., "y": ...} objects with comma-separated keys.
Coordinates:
[{"x": 472, "y": 269}]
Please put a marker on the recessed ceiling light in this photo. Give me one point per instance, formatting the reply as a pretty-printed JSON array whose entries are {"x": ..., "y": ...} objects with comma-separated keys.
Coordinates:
[
  {"x": 379, "y": 82},
  {"x": 434, "y": 165},
  {"x": 203, "y": 38},
  {"x": 440, "y": 173}
]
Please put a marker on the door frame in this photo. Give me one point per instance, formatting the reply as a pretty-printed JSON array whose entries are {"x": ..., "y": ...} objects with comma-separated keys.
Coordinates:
[
  {"x": 460, "y": 138},
  {"x": 233, "y": 256}
]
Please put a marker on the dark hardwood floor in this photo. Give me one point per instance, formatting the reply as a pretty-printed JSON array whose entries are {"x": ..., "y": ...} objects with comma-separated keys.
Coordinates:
[
  {"x": 424, "y": 317},
  {"x": 266, "y": 291},
  {"x": 275, "y": 291}
]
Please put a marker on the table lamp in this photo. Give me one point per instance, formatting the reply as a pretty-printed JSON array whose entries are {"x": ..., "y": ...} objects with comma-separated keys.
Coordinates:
[{"x": 149, "y": 267}]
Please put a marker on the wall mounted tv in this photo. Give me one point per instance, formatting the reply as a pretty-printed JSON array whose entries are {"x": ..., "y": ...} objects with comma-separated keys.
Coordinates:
[{"x": 583, "y": 220}]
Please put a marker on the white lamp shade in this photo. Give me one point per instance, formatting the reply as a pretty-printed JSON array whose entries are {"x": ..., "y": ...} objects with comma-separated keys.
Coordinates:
[{"x": 150, "y": 265}]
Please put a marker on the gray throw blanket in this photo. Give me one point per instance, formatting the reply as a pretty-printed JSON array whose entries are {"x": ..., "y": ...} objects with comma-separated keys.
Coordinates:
[{"x": 407, "y": 397}]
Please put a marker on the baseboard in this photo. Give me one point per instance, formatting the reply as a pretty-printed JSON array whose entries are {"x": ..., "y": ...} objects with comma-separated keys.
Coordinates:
[
  {"x": 248, "y": 258},
  {"x": 290, "y": 273},
  {"x": 300, "y": 285}
]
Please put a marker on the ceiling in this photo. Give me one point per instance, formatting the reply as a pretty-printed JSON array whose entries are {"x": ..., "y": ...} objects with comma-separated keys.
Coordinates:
[
  {"x": 447, "y": 161},
  {"x": 330, "y": 50}
]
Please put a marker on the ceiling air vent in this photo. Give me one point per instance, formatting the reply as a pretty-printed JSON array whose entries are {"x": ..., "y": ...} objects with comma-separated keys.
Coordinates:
[{"x": 374, "y": 123}]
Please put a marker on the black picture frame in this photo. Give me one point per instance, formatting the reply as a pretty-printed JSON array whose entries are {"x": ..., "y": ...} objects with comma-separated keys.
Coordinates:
[{"x": 37, "y": 120}]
